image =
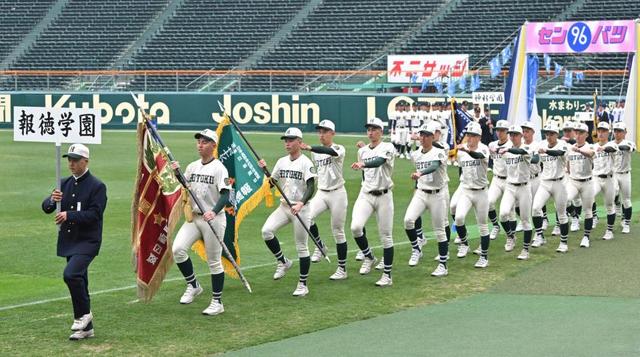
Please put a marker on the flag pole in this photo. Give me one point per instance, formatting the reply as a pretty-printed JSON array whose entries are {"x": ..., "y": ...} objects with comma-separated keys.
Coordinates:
[
  {"x": 266, "y": 171},
  {"x": 183, "y": 181}
]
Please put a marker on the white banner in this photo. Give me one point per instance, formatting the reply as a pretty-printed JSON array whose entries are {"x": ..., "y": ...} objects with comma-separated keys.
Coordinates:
[
  {"x": 51, "y": 125},
  {"x": 417, "y": 68},
  {"x": 488, "y": 97}
]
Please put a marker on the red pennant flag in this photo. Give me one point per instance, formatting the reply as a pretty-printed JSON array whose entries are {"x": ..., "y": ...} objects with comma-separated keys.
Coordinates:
[{"x": 156, "y": 209}]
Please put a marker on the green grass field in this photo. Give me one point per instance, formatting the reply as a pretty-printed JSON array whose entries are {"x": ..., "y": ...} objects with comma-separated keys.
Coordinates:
[{"x": 35, "y": 312}]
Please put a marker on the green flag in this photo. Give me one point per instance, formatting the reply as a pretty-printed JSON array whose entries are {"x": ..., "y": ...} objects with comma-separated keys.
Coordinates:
[{"x": 249, "y": 186}]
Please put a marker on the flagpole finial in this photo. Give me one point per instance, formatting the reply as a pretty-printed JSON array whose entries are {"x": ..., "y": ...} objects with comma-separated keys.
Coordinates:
[{"x": 221, "y": 106}]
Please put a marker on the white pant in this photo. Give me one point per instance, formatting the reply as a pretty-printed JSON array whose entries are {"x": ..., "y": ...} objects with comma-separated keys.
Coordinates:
[
  {"x": 366, "y": 204},
  {"x": 521, "y": 195},
  {"x": 437, "y": 206},
  {"x": 608, "y": 189},
  {"x": 336, "y": 202},
  {"x": 467, "y": 198},
  {"x": 402, "y": 136},
  {"x": 190, "y": 232},
  {"x": 624, "y": 186},
  {"x": 280, "y": 217},
  {"x": 548, "y": 189},
  {"x": 584, "y": 191}
]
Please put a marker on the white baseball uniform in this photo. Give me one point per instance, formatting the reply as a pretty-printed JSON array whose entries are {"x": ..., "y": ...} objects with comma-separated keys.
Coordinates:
[
  {"x": 375, "y": 194},
  {"x": 498, "y": 182},
  {"x": 603, "y": 171},
  {"x": 331, "y": 193},
  {"x": 622, "y": 168},
  {"x": 292, "y": 176},
  {"x": 430, "y": 193},
  {"x": 580, "y": 175},
  {"x": 552, "y": 181},
  {"x": 517, "y": 189},
  {"x": 472, "y": 191},
  {"x": 205, "y": 181}
]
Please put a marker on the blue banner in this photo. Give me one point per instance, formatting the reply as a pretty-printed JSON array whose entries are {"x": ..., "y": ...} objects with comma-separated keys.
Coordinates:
[{"x": 532, "y": 80}]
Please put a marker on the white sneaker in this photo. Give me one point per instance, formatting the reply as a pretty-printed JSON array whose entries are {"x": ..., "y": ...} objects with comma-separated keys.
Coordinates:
[
  {"x": 494, "y": 232},
  {"x": 477, "y": 251},
  {"x": 81, "y": 335},
  {"x": 380, "y": 265},
  {"x": 538, "y": 241},
  {"x": 215, "y": 308},
  {"x": 519, "y": 227},
  {"x": 608, "y": 235},
  {"x": 584, "y": 243},
  {"x": 524, "y": 255},
  {"x": 440, "y": 271},
  {"x": 83, "y": 321},
  {"x": 316, "y": 256},
  {"x": 415, "y": 257},
  {"x": 562, "y": 248},
  {"x": 359, "y": 256},
  {"x": 595, "y": 222},
  {"x": 281, "y": 269},
  {"x": 482, "y": 263},
  {"x": 575, "y": 224},
  {"x": 301, "y": 290},
  {"x": 367, "y": 264},
  {"x": 385, "y": 280},
  {"x": 462, "y": 251},
  {"x": 625, "y": 229},
  {"x": 340, "y": 274},
  {"x": 457, "y": 241},
  {"x": 545, "y": 224},
  {"x": 511, "y": 243},
  {"x": 556, "y": 230},
  {"x": 190, "y": 293},
  {"x": 437, "y": 258}
]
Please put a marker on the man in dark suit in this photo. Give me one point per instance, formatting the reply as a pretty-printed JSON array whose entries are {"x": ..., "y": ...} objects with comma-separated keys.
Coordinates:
[{"x": 83, "y": 199}]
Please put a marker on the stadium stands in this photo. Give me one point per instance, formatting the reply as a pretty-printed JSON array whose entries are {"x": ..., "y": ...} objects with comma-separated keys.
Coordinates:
[{"x": 334, "y": 35}]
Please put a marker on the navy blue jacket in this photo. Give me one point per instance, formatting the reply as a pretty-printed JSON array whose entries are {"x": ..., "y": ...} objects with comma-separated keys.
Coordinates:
[{"x": 84, "y": 200}]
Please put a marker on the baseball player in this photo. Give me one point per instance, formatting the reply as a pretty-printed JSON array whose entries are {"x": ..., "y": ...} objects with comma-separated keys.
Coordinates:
[
  {"x": 603, "y": 181},
  {"x": 331, "y": 194},
  {"x": 296, "y": 175},
  {"x": 553, "y": 156},
  {"x": 209, "y": 181},
  {"x": 518, "y": 159},
  {"x": 580, "y": 176},
  {"x": 473, "y": 159},
  {"x": 528, "y": 134},
  {"x": 376, "y": 162},
  {"x": 416, "y": 124},
  {"x": 574, "y": 208},
  {"x": 393, "y": 120},
  {"x": 622, "y": 168},
  {"x": 499, "y": 180},
  {"x": 431, "y": 177},
  {"x": 403, "y": 131}
]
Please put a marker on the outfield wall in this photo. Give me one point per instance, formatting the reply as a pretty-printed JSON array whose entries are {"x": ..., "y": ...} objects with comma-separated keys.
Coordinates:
[{"x": 255, "y": 111}]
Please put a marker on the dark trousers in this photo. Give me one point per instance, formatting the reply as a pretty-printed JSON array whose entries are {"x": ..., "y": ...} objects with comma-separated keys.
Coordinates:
[{"x": 75, "y": 276}]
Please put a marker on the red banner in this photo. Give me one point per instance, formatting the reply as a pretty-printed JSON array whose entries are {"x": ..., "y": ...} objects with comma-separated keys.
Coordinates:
[{"x": 156, "y": 209}]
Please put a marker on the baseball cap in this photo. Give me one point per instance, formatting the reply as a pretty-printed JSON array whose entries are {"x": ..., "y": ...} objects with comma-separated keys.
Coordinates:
[
  {"x": 77, "y": 151},
  {"x": 551, "y": 127},
  {"x": 433, "y": 126},
  {"x": 568, "y": 125},
  {"x": 619, "y": 125},
  {"x": 528, "y": 124},
  {"x": 474, "y": 128},
  {"x": 374, "y": 122},
  {"x": 292, "y": 133},
  {"x": 326, "y": 124},
  {"x": 604, "y": 125},
  {"x": 207, "y": 134},
  {"x": 581, "y": 127},
  {"x": 427, "y": 129},
  {"x": 502, "y": 124},
  {"x": 515, "y": 129}
]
